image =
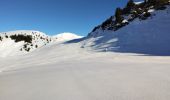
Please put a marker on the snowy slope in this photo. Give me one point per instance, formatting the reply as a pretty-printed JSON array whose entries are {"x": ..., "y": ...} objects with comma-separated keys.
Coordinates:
[
  {"x": 10, "y": 47},
  {"x": 150, "y": 36},
  {"x": 68, "y": 72},
  {"x": 72, "y": 71},
  {"x": 31, "y": 40}
]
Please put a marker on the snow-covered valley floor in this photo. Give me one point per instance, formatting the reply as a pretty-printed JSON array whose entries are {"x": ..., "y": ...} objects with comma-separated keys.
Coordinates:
[{"x": 68, "y": 72}]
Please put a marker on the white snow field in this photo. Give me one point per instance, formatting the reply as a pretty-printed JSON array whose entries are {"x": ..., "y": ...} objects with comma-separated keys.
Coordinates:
[{"x": 68, "y": 72}]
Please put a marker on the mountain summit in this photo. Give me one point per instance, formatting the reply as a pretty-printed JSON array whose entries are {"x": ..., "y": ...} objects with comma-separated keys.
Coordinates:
[{"x": 66, "y": 36}]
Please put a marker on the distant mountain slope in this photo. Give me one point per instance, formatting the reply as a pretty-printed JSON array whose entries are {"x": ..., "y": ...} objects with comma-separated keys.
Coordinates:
[
  {"x": 146, "y": 32},
  {"x": 66, "y": 36},
  {"x": 25, "y": 41}
]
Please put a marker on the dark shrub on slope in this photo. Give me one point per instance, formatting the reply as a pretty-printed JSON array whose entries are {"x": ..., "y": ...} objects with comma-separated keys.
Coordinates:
[
  {"x": 36, "y": 46},
  {"x": 130, "y": 5},
  {"x": 118, "y": 15},
  {"x": 0, "y": 38},
  {"x": 6, "y": 36},
  {"x": 18, "y": 38},
  {"x": 107, "y": 23}
]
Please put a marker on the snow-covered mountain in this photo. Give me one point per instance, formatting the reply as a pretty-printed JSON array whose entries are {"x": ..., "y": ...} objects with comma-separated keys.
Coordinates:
[
  {"x": 66, "y": 36},
  {"x": 25, "y": 41},
  {"x": 141, "y": 27},
  {"x": 68, "y": 71}
]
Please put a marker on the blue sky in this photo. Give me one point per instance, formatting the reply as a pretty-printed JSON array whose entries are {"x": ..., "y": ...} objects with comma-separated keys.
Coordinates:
[{"x": 56, "y": 16}]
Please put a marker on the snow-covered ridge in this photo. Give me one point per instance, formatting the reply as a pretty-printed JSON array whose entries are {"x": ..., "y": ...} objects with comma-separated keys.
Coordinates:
[
  {"x": 143, "y": 34},
  {"x": 25, "y": 41},
  {"x": 132, "y": 11}
]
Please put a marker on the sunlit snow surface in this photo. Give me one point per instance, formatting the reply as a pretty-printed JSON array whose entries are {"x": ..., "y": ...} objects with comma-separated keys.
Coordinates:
[
  {"x": 68, "y": 72},
  {"x": 74, "y": 71}
]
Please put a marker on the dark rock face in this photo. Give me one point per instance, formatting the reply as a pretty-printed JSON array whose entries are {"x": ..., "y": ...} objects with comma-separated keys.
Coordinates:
[{"x": 132, "y": 11}]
